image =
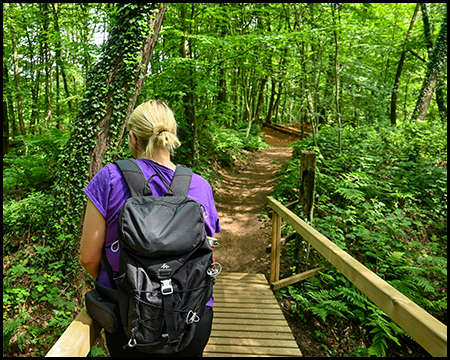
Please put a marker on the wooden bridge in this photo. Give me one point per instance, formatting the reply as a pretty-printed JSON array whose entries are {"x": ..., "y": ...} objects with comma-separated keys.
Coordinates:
[{"x": 247, "y": 319}]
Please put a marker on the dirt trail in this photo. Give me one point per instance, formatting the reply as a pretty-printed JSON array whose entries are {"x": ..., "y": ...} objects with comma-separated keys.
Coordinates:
[{"x": 240, "y": 199}]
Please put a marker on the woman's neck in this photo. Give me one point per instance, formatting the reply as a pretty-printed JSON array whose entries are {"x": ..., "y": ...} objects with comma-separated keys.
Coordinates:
[{"x": 162, "y": 157}]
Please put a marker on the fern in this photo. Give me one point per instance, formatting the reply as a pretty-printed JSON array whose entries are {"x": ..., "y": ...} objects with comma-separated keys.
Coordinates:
[
  {"x": 319, "y": 311},
  {"x": 405, "y": 286},
  {"x": 435, "y": 304},
  {"x": 312, "y": 284},
  {"x": 355, "y": 297},
  {"x": 379, "y": 345},
  {"x": 384, "y": 200},
  {"x": 351, "y": 194},
  {"x": 424, "y": 284},
  {"x": 383, "y": 329},
  {"x": 413, "y": 269},
  {"x": 396, "y": 257},
  {"x": 10, "y": 329}
]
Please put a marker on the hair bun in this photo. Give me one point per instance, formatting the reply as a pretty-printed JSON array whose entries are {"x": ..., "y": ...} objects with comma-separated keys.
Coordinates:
[{"x": 158, "y": 129}]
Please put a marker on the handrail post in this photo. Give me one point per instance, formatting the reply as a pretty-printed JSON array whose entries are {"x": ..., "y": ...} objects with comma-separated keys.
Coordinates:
[
  {"x": 275, "y": 248},
  {"x": 306, "y": 194}
]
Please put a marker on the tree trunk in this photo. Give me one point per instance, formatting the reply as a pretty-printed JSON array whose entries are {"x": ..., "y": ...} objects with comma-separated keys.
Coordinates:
[
  {"x": 48, "y": 58},
  {"x": 7, "y": 96},
  {"x": 400, "y": 67},
  {"x": 335, "y": 7},
  {"x": 436, "y": 64},
  {"x": 247, "y": 112},
  {"x": 271, "y": 103},
  {"x": 440, "y": 97},
  {"x": 84, "y": 37},
  {"x": 17, "y": 82},
  {"x": 426, "y": 27},
  {"x": 277, "y": 101},
  {"x": 260, "y": 99},
  {"x": 35, "y": 95},
  {"x": 5, "y": 110},
  {"x": 308, "y": 100},
  {"x": 59, "y": 66},
  {"x": 222, "y": 96},
  {"x": 253, "y": 83},
  {"x": 188, "y": 98},
  {"x": 133, "y": 85}
]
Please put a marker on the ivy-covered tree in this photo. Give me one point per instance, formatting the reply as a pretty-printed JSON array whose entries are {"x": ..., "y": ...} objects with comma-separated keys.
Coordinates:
[{"x": 112, "y": 87}]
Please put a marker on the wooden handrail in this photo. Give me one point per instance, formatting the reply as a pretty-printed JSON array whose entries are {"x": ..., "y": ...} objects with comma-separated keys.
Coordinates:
[
  {"x": 78, "y": 338},
  {"x": 429, "y": 332}
]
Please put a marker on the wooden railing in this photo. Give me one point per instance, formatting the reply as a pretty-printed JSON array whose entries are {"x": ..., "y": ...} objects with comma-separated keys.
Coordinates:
[
  {"x": 429, "y": 332},
  {"x": 78, "y": 338}
]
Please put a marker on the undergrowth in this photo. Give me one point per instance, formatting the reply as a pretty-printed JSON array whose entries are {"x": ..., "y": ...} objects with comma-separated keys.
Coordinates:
[{"x": 384, "y": 201}]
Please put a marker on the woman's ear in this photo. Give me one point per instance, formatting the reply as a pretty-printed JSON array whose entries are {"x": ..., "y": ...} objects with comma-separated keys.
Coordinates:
[{"x": 133, "y": 140}]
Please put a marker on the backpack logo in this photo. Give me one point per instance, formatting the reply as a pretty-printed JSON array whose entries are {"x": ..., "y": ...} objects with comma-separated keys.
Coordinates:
[{"x": 165, "y": 266}]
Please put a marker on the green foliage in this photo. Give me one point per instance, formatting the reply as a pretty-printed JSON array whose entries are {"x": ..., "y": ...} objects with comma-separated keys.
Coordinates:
[
  {"x": 25, "y": 217},
  {"x": 10, "y": 329},
  {"x": 226, "y": 145},
  {"x": 96, "y": 352},
  {"x": 31, "y": 166},
  {"x": 36, "y": 277},
  {"x": 43, "y": 283},
  {"x": 383, "y": 200},
  {"x": 332, "y": 297}
]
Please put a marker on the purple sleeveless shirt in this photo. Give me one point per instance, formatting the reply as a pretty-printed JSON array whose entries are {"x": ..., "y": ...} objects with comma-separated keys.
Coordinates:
[{"x": 108, "y": 191}]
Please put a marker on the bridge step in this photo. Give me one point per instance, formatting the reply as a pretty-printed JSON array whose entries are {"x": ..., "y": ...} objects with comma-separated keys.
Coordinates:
[{"x": 248, "y": 320}]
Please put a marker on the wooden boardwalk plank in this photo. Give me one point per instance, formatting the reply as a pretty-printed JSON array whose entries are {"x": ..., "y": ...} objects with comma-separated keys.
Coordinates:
[
  {"x": 247, "y": 319},
  {"x": 251, "y": 335}
]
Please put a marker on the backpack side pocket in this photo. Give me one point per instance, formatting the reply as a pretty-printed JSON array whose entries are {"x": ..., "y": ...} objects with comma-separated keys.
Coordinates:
[{"x": 102, "y": 311}]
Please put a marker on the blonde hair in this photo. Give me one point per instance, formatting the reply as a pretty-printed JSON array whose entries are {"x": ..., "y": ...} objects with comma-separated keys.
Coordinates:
[{"x": 154, "y": 125}]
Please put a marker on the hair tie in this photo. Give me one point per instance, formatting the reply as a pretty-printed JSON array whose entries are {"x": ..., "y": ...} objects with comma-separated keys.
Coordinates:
[{"x": 162, "y": 132}]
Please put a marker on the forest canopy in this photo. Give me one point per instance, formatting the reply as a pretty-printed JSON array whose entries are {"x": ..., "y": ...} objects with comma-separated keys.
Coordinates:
[
  {"x": 230, "y": 64},
  {"x": 356, "y": 77}
]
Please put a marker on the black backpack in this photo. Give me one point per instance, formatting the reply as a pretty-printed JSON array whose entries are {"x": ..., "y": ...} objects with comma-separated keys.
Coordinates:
[{"x": 166, "y": 272}]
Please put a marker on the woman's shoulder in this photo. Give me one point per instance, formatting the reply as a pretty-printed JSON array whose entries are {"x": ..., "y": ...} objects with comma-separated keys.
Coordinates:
[
  {"x": 200, "y": 188},
  {"x": 108, "y": 171},
  {"x": 200, "y": 180}
]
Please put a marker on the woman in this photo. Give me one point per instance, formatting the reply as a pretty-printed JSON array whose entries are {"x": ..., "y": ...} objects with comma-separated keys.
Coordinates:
[{"x": 152, "y": 140}]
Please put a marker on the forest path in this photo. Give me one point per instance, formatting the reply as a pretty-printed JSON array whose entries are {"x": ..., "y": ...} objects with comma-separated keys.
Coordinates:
[{"x": 240, "y": 199}]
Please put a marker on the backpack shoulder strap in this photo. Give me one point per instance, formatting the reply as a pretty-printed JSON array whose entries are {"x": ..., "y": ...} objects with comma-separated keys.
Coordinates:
[
  {"x": 134, "y": 177},
  {"x": 181, "y": 181}
]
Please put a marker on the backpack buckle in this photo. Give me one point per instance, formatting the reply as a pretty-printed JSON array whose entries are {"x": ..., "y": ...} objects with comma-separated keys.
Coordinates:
[{"x": 166, "y": 287}]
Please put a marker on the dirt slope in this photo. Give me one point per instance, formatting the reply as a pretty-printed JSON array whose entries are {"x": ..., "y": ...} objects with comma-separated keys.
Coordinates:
[{"x": 240, "y": 199}]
